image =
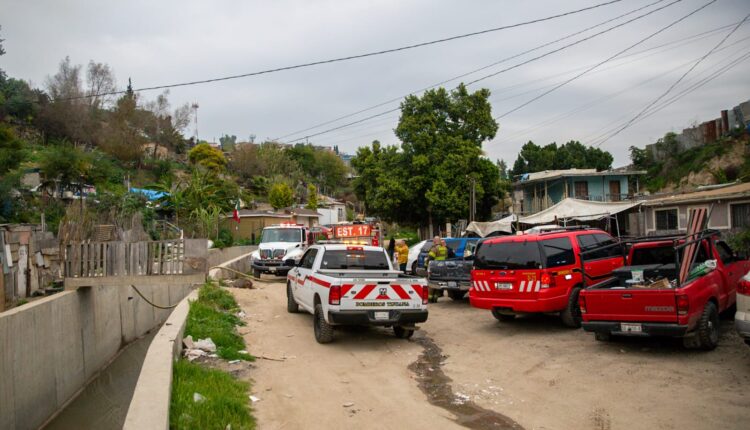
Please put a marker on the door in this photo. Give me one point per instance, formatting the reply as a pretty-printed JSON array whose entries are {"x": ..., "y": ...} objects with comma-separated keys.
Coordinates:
[
  {"x": 599, "y": 265},
  {"x": 614, "y": 191},
  {"x": 581, "y": 190},
  {"x": 734, "y": 269},
  {"x": 303, "y": 285}
]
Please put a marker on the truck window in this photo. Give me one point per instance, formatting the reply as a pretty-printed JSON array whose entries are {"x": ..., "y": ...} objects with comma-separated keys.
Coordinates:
[
  {"x": 606, "y": 240},
  {"x": 508, "y": 255},
  {"x": 282, "y": 235},
  {"x": 426, "y": 247},
  {"x": 725, "y": 252},
  {"x": 309, "y": 258},
  {"x": 352, "y": 259},
  {"x": 588, "y": 242},
  {"x": 558, "y": 252},
  {"x": 663, "y": 254}
]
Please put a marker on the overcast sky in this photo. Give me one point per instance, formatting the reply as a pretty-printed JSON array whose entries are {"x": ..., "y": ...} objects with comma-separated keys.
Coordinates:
[{"x": 163, "y": 42}]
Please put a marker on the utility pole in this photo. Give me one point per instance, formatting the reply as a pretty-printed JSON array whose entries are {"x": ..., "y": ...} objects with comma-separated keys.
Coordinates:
[{"x": 195, "y": 108}]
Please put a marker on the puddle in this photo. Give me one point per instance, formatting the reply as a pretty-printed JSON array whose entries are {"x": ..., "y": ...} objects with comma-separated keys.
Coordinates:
[
  {"x": 436, "y": 385},
  {"x": 104, "y": 402}
]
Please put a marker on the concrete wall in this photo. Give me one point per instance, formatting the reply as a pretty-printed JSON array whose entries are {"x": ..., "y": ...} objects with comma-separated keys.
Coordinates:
[
  {"x": 720, "y": 215},
  {"x": 50, "y": 348},
  {"x": 240, "y": 263},
  {"x": 149, "y": 408},
  {"x": 218, "y": 256}
]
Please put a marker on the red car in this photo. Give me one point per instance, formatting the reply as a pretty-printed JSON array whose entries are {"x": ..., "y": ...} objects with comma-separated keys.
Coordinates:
[
  {"x": 541, "y": 272},
  {"x": 646, "y": 298}
]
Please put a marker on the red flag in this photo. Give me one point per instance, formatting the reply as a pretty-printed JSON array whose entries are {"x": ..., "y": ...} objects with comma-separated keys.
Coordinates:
[{"x": 236, "y": 213}]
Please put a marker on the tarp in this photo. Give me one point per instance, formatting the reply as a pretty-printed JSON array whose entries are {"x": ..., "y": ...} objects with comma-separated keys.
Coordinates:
[
  {"x": 483, "y": 229},
  {"x": 150, "y": 194},
  {"x": 579, "y": 210}
]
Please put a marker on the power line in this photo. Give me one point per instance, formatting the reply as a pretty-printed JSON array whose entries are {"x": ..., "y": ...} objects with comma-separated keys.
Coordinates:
[
  {"x": 680, "y": 42},
  {"x": 496, "y": 73},
  {"x": 677, "y": 82},
  {"x": 356, "y": 56},
  {"x": 673, "y": 23},
  {"x": 464, "y": 74}
]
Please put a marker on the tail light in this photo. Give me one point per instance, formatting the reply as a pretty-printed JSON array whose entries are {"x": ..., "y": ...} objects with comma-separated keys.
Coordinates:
[
  {"x": 683, "y": 304},
  {"x": 548, "y": 281},
  {"x": 743, "y": 287},
  {"x": 425, "y": 294},
  {"x": 334, "y": 295},
  {"x": 375, "y": 241},
  {"x": 582, "y": 303}
]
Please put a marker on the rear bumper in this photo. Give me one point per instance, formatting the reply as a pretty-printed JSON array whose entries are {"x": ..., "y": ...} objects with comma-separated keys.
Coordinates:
[
  {"x": 449, "y": 284},
  {"x": 396, "y": 317},
  {"x": 538, "y": 305},
  {"x": 648, "y": 329},
  {"x": 743, "y": 326}
]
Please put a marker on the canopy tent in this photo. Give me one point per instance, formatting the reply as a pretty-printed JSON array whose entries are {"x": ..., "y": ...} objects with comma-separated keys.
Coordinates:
[
  {"x": 578, "y": 210},
  {"x": 484, "y": 229}
]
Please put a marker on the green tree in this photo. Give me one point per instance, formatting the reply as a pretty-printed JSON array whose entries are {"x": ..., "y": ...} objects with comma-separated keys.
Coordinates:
[
  {"x": 502, "y": 168},
  {"x": 312, "y": 197},
  {"x": 573, "y": 154},
  {"x": 427, "y": 179},
  {"x": 11, "y": 150},
  {"x": 65, "y": 165},
  {"x": 208, "y": 157},
  {"x": 280, "y": 196},
  {"x": 227, "y": 142}
]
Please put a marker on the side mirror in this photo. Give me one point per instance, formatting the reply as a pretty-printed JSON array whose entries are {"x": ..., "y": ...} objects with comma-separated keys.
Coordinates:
[{"x": 290, "y": 262}]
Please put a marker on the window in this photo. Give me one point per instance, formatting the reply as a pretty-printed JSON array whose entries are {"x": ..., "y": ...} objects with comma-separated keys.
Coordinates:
[
  {"x": 666, "y": 219},
  {"x": 341, "y": 214},
  {"x": 725, "y": 252},
  {"x": 309, "y": 259},
  {"x": 508, "y": 255},
  {"x": 740, "y": 214},
  {"x": 354, "y": 259},
  {"x": 606, "y": 240},
  {"x": 581, "y": 189},
  {"x": 559, "y": 252},
  {"x": 282, "y": 235},
  {"x": 587, "y": 242},
  {"x": 426, "y": 247}
]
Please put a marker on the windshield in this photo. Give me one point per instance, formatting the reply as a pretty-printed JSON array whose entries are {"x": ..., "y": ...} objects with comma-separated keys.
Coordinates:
[
  {"x": 508, "y": 255},
  {"x": 282, "y": 235},
  {"x": 354, "y": 260}
]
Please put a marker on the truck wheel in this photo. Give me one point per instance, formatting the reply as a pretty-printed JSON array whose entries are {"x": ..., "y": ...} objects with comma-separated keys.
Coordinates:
[
  {"x": 571, "y": 315},
  {"x": 708, "y": 327},
  {"x": 503, "y": 317},
  {"x": 456, "y": 295},
  {"x": 323, "y": 330},
  {"x": 256, "y": 273},
  {"x": 403, "y": 333},
  {"x": 602, "y": 336},
  {"x": 291, "y": 306}
]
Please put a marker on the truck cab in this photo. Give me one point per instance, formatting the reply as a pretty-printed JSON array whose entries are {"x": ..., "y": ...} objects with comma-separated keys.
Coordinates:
[{"x": 280, "y": 243}]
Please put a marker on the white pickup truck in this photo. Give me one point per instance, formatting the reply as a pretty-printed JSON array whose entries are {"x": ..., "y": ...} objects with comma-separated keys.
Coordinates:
[{"x": 355, "y": 285}]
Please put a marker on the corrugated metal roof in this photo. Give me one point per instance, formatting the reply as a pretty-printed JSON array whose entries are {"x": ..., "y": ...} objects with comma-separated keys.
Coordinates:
[
  {"x": 548, "y": 175},
  {"x": 731, "y": 191}
]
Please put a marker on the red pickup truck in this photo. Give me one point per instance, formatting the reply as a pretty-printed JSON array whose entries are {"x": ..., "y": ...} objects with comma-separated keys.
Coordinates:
[{"x": 645, "y": 297}]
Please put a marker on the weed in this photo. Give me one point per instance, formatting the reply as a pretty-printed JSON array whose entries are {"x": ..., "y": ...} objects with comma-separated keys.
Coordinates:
[{"x": 224, "y": 404}]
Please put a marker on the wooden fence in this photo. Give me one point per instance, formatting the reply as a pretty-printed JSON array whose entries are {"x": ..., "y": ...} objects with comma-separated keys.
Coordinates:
[{"x": 97, "y": 259}]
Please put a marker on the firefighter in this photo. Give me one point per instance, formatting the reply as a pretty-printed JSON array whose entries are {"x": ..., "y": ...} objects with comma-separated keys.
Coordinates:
[
  {"x": 402, "y": 255},
  {"x": 438, "y": 252}
]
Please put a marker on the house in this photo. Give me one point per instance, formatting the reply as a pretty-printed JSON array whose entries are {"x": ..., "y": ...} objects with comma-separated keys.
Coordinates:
[
  {"x": 534, "y": 192},
  {"x": 729, "y": 206},
  {"x": 331, "y": 210},
  {"x": 252, "y": 222}
]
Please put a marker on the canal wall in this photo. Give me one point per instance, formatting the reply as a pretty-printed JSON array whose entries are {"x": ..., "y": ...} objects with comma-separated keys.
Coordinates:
[{"x": 51, "y": 348}]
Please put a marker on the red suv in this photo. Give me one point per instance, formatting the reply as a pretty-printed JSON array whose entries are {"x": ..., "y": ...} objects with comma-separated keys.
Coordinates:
[{"x": 541, "y": 272}]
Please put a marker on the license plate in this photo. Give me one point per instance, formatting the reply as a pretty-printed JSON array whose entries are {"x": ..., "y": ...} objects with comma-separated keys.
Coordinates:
[
  {"x": 272, "y": 270},
  {"x": 503, "y": 286},
  {"x": 631, "y": 327},
  {"x": 381, "y": 315},
  {"x": 451, "y": 284}
]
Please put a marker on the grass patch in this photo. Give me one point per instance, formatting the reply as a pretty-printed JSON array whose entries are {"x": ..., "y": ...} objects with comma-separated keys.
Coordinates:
[
  {"x": 213, "y": 316},
  {"x": 226, "y": 399}
]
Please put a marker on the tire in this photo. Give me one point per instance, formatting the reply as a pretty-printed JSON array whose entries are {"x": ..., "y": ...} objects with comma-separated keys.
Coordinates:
[
  {"x": 402, "y": 333},
  {"x": 456, "y": 295},
  {"x": 291, "y": 306},
  {"x": 602, "y": 336},
  {"x": 707, "y": 331},
  {"x": 256, "y": 273},
  {"x": 323, "y": 330},
  {"x": 571, "y": 315},
  {"x": 503, "y": 317}
]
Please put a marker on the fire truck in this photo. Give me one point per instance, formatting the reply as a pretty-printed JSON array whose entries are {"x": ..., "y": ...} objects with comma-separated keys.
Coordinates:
[{"x": 357, "y": 234}]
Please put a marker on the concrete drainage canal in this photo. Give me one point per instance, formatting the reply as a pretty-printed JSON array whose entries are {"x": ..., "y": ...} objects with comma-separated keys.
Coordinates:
[
  {"x": 103, "y": 403},
  {"x": 436, "y": 385}
]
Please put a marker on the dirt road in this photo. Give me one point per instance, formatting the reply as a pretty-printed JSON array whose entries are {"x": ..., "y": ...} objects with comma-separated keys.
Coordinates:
[{"x": 532, "y": 370}]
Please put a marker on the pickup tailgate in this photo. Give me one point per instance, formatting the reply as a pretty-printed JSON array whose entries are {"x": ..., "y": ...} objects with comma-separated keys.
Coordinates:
[
  {"x": 382, "y": 294},
  {"x": 632, "y": 304},
  {"x": 450, "y": 269}
]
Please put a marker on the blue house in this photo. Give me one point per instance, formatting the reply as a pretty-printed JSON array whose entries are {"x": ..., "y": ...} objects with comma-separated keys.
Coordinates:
[{"x": 533, "y": 192}]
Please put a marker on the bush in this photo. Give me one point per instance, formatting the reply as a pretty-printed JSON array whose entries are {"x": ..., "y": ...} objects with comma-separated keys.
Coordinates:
[{"x": 225, "y": 239}]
